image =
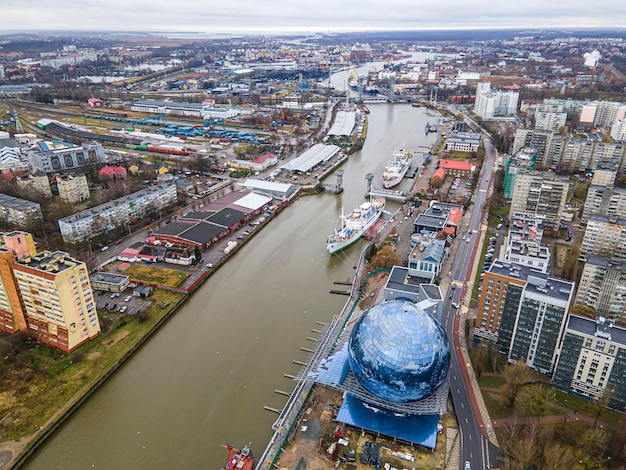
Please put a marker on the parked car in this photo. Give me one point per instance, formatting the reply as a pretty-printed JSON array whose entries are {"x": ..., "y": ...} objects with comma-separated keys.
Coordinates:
[
  {"x": 128, "y": 298},
  {"x": 499, "y": 226},
  {"x": 123, "y": 309},
  {"x": 367, "y": 450},
  {"x": 374, "y": 455}
]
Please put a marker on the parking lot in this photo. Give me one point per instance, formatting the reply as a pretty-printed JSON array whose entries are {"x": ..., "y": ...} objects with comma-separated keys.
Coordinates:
[{"x": 121, "y": 302}]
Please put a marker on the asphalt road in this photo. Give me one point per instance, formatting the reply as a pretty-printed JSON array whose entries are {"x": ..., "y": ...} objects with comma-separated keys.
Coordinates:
[{"x": 475, "y": 447}]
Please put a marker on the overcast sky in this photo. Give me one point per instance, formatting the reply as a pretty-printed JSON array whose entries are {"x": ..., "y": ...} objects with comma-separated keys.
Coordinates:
[{"x": 312, "y": 15}]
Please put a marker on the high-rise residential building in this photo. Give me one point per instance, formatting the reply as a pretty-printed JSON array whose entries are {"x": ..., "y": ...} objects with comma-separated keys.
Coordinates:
[
  {"x": 549, "y": 118},
  {"x": 592, "y": 360},
  {"x": 618, "y": 130},
  {"x": 523, "y": 244},
  {"x": 603, "y": 178},
  {"x": 58, "y": 300},
  {"x": 533, "y": 138},
  {"x": 19, "y": 212},
  {"x": 605, "y": 237},
  {"x": 524, "y": 159},
  {"x": 490, "y": 104},
  {"x": 524, "y": 310},
  {"x": 37, "y": 182},
  {"x": 13, "y": 246},
  {"x": 604, "y": 200},
  {"x": 73, "y": 188},
  {"x": 543, "y": 193},
  {"x": 103, "y": 218},
  {"x": 603, "y": 287}
]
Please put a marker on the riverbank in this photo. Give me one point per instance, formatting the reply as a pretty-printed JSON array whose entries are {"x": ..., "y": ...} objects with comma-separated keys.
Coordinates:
[{"x": 13, "y": 454}]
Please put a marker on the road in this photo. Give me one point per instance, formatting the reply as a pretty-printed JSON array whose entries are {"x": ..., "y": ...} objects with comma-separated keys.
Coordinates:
[{"x": 475, "y": 447}]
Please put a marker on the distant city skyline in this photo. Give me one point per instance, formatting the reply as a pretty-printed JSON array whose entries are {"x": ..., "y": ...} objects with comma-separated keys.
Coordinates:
[{"x": 240, "y": 16}]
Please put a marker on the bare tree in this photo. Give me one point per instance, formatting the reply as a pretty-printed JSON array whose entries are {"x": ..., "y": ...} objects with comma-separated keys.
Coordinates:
[{"x": 515, "y": 375}]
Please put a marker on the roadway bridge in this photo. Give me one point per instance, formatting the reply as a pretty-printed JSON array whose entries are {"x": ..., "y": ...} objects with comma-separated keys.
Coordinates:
[{"x": 399, "y": 196}]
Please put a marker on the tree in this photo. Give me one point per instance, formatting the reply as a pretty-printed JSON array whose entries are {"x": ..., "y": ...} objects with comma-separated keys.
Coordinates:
[
  {"x": 197, "y": 253},
  {"x": 557, "y": 457},
  {"x": 583, "y": 311},
  {"x": 386, "y": 257},
  {"x": 534, "y": 400},
  {"x": 515, "y": 375}
]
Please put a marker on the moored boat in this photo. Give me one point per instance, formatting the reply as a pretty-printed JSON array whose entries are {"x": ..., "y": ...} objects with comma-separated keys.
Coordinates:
[
  {"x": 239, "y": 459},
  {"x": 355, "y": 224},
  {"x": 396, "y": 168}
]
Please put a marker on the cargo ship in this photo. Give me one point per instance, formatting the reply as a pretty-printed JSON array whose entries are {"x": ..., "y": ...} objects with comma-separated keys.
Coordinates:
[
  {"x": 354, "y": 225},
  {"x": 396, "y": 168},
  {"x": 239, "y": 459}
]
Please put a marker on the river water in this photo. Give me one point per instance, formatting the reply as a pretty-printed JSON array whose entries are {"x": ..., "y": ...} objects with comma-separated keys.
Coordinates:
[{"x": 203, "y": 378}]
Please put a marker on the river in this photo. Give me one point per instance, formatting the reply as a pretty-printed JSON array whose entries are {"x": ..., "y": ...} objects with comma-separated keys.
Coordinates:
[{"x": 203, "y": 378}]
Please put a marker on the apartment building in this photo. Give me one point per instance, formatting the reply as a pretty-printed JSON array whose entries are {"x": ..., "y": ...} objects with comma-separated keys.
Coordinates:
[
  {"x": 523, "y": 244},
  {"x": 603, "y": 200},
  {"x": 603, "y": 287},
  {"x": 541, "y": 193},
  {"x": 524, "y": 310},
  {"x": 58, "y": 299},
  {"x": 592, "y": 360},
  {"x": 37, "y": 183},
  {"x": 105, "y": 217},
  {"x": 604, "y": 236},
  {"x": 532, "y": 138},
  {"x": 13, "y": 246},
  {"x": 490, "y": 104},
  {"x": 549, "y": 120},
  {"x": 524, "y": 159},
  {"x": 19, "y": 212},
  {"x": 72, "y": 188}
]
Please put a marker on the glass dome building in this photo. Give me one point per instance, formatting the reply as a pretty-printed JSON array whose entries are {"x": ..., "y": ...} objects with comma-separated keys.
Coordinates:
[{"x": 398, "y": 352}]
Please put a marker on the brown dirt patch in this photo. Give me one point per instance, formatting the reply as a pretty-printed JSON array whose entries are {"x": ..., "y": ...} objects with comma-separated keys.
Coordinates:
[
  {"x": 116, "y": 338},
  {"x": 94, "y": 355}
]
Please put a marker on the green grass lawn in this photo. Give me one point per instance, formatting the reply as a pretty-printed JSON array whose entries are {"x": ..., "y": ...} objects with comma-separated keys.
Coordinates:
[
  {"x": 586, "y": 407},
  {"x": 489, "y": 381},
  {"x": 580, "y": 192},
  {"x": 162, "y": 276}
]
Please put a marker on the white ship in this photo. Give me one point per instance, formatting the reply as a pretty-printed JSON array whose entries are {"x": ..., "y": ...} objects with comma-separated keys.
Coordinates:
[
  {"x": 355, "y": 225},
  {"x": 396, "y": 168}
]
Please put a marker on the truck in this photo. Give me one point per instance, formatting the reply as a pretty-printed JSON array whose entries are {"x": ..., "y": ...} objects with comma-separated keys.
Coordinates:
[{"x": 229, "y": 247}]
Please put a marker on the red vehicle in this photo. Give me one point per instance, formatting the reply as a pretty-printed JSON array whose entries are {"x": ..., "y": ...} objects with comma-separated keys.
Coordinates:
[{"x": 240, "y": 460}]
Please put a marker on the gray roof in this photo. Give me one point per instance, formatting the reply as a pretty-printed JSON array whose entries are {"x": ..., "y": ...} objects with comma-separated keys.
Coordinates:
[
  {"x": 399, "y": 280},
  {"x": 536, "y": 281},
  {"x": 17, "y": 203},
  {"x": 425, "y": 220},
  {"x": 589, "y": 327},
  {"x": 109, "y": 278}
]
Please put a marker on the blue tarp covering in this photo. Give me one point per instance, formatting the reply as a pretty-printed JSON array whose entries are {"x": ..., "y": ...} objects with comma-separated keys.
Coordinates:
[{"x": 421, "y": 430}]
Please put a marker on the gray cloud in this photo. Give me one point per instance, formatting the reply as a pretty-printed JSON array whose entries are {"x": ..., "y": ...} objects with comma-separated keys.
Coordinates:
[{"x": 288, "y": 15}]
